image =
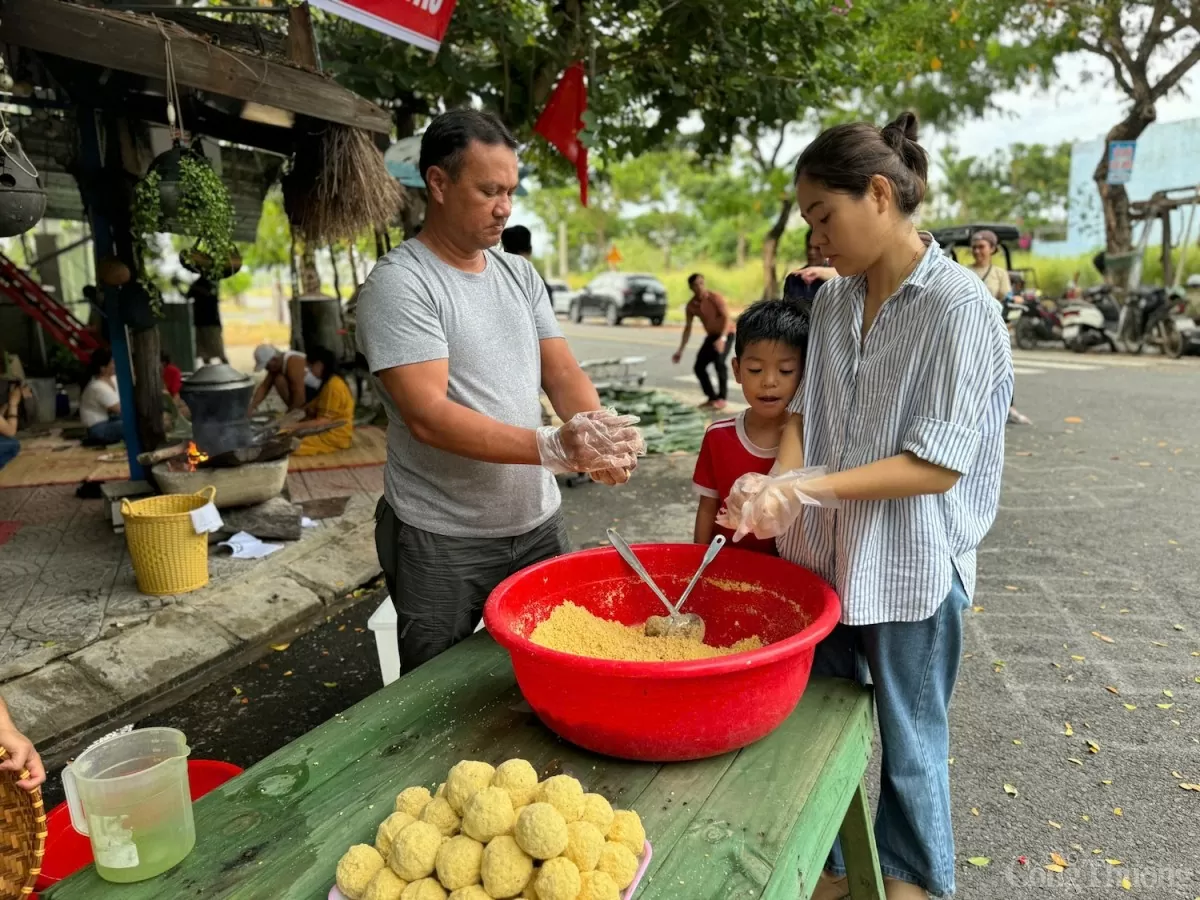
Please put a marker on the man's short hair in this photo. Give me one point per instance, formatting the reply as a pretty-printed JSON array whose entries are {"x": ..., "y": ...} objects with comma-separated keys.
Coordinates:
[
  {"x": 772, "y": 320},
  {"x": 692, "y": 279},
  {"x": 517, "y": 239},
  {"x": 449, "y": 134}
]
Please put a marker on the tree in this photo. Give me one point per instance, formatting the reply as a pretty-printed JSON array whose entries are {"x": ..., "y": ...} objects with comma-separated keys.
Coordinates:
[
  {"x": 1026, "y": 184},
  {"x": 1147, "y": 46}
]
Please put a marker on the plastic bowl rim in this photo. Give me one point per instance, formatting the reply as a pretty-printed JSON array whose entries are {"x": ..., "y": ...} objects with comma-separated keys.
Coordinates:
[{"x": 814, "y": 633}]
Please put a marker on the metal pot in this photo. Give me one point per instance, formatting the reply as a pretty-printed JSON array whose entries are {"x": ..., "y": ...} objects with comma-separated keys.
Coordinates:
[
  {"x": 219, "y": 399},
  {"x": 22, "y": 199}
]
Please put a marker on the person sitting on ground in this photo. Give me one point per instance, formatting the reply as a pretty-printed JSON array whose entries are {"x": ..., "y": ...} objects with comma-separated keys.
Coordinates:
[
  {"x": 333, "y": 401},
  {"x": 768, "y": 360},
  {"x": 100, "y": 404},
  {"x": 10, "y": 423},
  {"x": 287, "y": 374},
  {"x": 21, "y": 753}
]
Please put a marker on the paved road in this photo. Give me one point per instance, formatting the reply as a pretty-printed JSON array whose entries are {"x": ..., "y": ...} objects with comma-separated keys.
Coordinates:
[{"x": 1096, "y": 541}]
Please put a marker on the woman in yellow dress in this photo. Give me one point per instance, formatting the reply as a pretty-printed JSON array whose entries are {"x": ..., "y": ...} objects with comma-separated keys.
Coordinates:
[{"x": 333, "y": 400}]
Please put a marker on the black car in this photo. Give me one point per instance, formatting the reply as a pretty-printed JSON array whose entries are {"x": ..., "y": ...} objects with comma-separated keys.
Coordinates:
[{"x": 619, "y": 296}]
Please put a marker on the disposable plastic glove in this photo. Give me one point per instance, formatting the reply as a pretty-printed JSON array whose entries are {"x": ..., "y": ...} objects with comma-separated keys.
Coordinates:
[
  {"x": 591, "y": 442},
  {"x": 767, "y": 506}
]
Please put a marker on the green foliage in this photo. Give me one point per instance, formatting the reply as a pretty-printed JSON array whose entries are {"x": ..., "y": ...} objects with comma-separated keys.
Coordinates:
[
  {"x": 1026, "y": 185},
  {"x": 205, "y": 211},
  {"x": 272, "y": 245}
]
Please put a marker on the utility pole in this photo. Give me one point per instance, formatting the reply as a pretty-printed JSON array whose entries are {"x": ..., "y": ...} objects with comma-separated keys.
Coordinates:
[{"x": 562, "y": 249}]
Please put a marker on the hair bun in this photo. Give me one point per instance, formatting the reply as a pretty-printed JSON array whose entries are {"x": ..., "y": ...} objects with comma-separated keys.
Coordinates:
[{"x": 901, "y": 130}]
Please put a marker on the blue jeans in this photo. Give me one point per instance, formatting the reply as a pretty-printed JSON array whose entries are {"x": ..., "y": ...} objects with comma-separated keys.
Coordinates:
[
  {"x": 9, "y": 448},
  {"x": 109, "y": 432},
  {"x": 913, "y": 666}
]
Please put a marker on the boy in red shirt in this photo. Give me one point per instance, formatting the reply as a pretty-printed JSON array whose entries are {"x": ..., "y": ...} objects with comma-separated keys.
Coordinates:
[{"x": 769, "y": 349}]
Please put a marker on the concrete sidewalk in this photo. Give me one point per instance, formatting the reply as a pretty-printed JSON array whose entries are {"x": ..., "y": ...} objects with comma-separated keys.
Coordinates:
[{"x": 80, "y": 646}]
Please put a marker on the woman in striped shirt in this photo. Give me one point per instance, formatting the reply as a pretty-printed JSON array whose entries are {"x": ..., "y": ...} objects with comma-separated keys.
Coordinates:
[{"x": 904, "y": 400}]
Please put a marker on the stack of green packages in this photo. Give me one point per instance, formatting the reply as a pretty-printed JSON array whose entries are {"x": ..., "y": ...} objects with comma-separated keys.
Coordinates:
[{"x": 668, "y": 425}]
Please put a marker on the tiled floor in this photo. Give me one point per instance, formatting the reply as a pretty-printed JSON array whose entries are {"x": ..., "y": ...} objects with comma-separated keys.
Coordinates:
[{"x": 66, "y": 578}]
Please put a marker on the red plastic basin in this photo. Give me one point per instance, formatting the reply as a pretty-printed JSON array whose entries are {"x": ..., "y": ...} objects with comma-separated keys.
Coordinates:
[
  {"x": 68, "y": 851},
  {"x": 665, "y": 711}
]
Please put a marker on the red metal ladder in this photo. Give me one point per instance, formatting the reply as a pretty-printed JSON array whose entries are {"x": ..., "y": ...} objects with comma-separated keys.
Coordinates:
[{"x": 55, "y": 318}]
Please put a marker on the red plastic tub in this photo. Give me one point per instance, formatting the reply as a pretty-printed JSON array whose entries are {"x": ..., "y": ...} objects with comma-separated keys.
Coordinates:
[
  {"x": 68, "y": 851},
  {"x": 665, "y": 711}
]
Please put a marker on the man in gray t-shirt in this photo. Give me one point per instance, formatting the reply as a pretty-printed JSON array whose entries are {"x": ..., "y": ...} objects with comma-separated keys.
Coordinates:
[{"x": 461, "y": 340}]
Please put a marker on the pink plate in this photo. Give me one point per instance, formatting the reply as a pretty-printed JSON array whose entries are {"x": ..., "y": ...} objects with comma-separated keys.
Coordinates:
[{"x": 647, "y": 852}]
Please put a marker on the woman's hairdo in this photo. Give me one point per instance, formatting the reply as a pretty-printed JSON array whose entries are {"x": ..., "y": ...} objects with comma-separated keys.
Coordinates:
[{"x": 845, "y": 158}]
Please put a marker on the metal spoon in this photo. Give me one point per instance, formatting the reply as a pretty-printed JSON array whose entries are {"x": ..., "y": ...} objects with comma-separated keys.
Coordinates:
[
  {"x": 685, "y": 625},
  {"x": 626, "y": 553}
]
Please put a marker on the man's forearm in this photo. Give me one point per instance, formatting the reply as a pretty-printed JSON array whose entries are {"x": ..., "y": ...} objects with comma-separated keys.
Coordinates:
[
  {"x": 687, "y": 336},
  {"x": 894, "y": 478},
  {"x": 452, "y": 427},
  {"x": 571, "y": 393}
]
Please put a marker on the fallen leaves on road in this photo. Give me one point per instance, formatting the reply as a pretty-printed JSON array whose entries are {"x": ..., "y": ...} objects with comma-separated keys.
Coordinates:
[
  {"x": 329, "y": 684},
  {"x": 1078, "y": 658},
  {"x": 1126, "y": 884},
  {"x": 1010, "y": 790},
  {"x": 1187, "y": 786},
  {"x": 1112, "y": 862},
  {"x": 1093, "y": 747},
  {"x": 1130, "y": 706},
  {"x": 1073, "y": 420},
  {"x": 974, "y": 810},
  {"x": 1117, "y": 811},
  {"x": 1112, "y": 690},
  {"x": 979, "y": 861},
  {"x": 1180, "y": 628},
  {"x": 237, "y": 691},
  {"x": 279, "y": 648},
  {"x": 1054, "y": 824},
  {"x": 1164, "y": 705},
  {"x": 1072, "y": 759},
  {"x": 1167, "y": 693},
  {"x": 1106, "y": 781},
  {"x": 287, "y": 674},
  {"x": 1157, "y": 644},
  {"x": 1068, "y": 730},
  {"x": 1054, "y": 867},
  {"x": 1103, "y": 637},
  {"x": 1011, "y": 587},
  {"x": 1058, "y": 860},
  {"x": 977, "y": 609}
]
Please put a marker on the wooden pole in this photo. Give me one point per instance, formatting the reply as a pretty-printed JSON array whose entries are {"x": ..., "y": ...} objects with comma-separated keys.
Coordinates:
[{"x": 92, "y": 177}]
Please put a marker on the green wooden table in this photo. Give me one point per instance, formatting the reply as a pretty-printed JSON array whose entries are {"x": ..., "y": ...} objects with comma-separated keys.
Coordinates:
[{"x": 753, "y": 824}]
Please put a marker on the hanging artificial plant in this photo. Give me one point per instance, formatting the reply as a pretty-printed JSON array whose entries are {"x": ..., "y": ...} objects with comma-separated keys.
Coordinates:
[{"x": 182, "y": 194}]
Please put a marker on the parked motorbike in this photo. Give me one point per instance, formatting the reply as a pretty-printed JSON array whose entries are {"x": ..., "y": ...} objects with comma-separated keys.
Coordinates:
[
  {"x": 1091, "y": 320},
  {"x": 1157, "y": 316},
  {"x": 1035, "y": 324}
]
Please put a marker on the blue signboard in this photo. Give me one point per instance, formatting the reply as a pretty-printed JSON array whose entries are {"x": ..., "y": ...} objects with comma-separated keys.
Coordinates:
[{"x": 1120, "y": 161}]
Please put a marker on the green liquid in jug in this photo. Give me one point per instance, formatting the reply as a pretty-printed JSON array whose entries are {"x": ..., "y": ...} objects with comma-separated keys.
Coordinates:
[{"x": 134, "y": 852}]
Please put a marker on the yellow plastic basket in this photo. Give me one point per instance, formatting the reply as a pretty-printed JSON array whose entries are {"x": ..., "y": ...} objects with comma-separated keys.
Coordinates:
[{"x": 168, "y": 556}]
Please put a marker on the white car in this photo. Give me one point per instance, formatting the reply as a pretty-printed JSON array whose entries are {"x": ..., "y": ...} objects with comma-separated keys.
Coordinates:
[{"x": 561, "y": 296}]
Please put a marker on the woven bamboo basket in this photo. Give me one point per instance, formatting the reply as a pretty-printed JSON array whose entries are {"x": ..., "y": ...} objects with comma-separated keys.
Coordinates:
[
  {"x": 22, "y": 835},
  {"x": 168, "y": 556}
]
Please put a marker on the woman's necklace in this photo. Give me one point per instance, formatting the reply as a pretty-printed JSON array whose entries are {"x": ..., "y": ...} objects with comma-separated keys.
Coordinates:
[{"x": 871, "y": 310}]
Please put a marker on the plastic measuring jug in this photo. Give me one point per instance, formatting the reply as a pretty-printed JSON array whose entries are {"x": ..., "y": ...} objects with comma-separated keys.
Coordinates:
[{"x": 130, "y": 796}]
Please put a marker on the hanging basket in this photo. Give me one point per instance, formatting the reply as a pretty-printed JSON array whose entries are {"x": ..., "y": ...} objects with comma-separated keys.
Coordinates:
[
  {"x": 166, "y": 166},
  {"x": 22, "y": 199}
]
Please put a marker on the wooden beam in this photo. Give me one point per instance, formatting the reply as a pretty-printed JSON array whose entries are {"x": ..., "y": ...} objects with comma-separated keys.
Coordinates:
[{"x": 133, "y": 43}]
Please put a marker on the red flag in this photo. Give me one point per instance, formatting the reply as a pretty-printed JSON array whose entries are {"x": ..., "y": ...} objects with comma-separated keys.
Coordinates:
[
  {"x": 420, "y": 22},
  {"x": 562, "y": 120}
]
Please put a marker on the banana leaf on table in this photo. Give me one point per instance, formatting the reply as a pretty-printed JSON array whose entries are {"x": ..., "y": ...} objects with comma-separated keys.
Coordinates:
[{"x": 668, "y": 425}]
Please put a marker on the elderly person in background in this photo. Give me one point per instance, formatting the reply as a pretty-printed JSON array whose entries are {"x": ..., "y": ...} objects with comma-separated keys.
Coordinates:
[
  {"x": 287, "y": 374},
  {"x": 984, "y": 244}
]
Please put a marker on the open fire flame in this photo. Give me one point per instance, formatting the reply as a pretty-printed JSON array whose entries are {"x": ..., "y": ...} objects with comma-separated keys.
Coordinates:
[{"x": 194, "y": 456}]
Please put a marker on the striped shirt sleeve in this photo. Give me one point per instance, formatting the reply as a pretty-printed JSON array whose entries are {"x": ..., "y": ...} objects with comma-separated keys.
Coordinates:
[{"x": 954, "y": 391}]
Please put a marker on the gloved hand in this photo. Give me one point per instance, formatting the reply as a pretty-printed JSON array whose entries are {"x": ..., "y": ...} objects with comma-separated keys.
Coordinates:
[
  {"x": 591, "y": 442},
  {"x": 767, "y": 506}
]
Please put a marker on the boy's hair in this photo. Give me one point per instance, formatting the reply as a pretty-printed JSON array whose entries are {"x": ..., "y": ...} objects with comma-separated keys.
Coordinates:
[
  {"x": 692, "y": 279},
  {"x": 772, "y": 320}
]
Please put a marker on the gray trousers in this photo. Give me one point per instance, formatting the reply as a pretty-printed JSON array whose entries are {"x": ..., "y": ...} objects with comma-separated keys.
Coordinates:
[{"x": 439, "y": 583}]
